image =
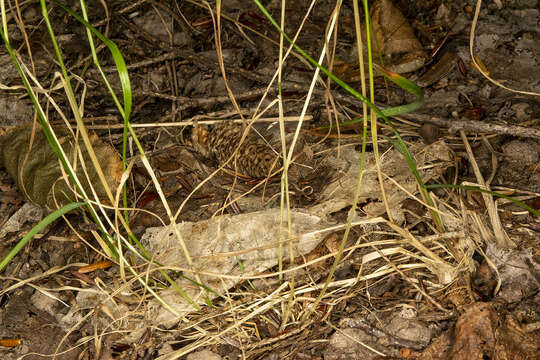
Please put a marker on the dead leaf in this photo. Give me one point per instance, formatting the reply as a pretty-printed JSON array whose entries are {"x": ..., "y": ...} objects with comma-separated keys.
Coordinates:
[
  {"x": 219, "y": 245},
  {"x": 33, "y": 164},
  {"x": 482, "y": 332},
  {"x": 396, "y": 38}
]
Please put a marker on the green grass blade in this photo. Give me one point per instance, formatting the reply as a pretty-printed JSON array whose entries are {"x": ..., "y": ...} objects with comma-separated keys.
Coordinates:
[
  {"x": 392, "y": 77},
  {"x": 39, "y": 227},
  {"x": 41, "y": 115},
  {"x": 118, "y": 60},
  {"x": 75, "y": 108},
  {"x": 406, "y": 85},
  {"x": 126, "y": 110},
  {"x": 490, "y": 192},
  {"x": 126, "y": 90},
  {"x": 399, "y": 80}
]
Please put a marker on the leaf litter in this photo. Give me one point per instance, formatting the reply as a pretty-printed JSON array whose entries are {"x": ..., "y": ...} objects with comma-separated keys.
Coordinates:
[{"x": 411, "y": 277}]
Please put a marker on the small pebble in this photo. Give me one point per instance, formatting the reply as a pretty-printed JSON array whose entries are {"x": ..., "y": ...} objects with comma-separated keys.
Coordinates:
[{"x": 430, "y": 133}]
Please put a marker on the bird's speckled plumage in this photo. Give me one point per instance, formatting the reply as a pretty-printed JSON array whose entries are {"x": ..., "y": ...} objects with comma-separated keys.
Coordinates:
[{"x": 254, "y": 158}]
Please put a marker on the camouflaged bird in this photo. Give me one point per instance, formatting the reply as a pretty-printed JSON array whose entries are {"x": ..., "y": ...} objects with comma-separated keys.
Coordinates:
[{"x": 255, "y": 157}]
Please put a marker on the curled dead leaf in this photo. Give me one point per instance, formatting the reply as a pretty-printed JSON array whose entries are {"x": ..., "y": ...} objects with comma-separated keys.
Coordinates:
[
  {"x": 396, "y": 38},
  {"x": 33, "y": 164}
]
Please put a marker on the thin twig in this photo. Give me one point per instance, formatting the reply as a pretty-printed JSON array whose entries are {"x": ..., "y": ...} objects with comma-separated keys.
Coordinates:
[{"x": 455, "y": 125}]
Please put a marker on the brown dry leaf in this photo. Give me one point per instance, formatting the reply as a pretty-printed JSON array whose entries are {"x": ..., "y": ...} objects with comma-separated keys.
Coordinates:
[
  {"x": 402, "y": 52},
  {"x": 439, "y": 70},
  {"x": 396, "y": 37},
  {"x": 332, "y": 242},
  {"x": 482, "y": 333},
  {"x": 34, "y": 166}
]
